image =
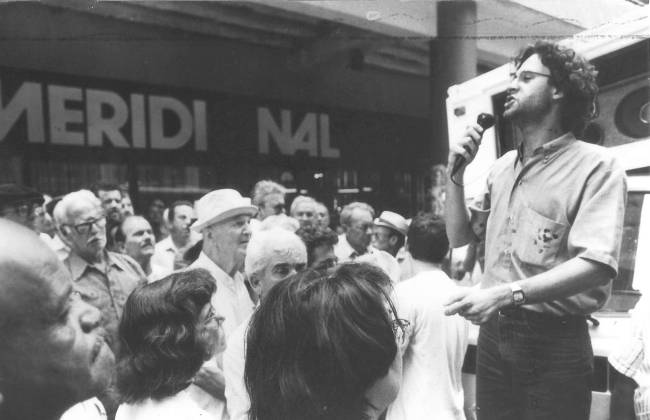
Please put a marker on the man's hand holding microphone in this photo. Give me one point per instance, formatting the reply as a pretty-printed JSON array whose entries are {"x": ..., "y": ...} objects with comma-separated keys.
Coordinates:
[{"x": 463, "y": 152}]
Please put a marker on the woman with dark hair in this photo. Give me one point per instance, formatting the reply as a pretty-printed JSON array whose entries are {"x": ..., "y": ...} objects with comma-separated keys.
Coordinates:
[
  {"x": 168, "y": 329},
  {"x": 324, "y": 347}
]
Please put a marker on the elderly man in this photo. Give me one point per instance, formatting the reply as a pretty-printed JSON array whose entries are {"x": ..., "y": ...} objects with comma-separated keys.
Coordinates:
[
  {"x": 52, "y": 351},
  {"x": 389, "y": 234},
  {"x": 268, "y": 196},
  {"x": 223, "y": 219},
  {"x": 320, "y": 243},
  {"x": 169, "y": 252},
  {"x": 18, "y": 203},
  {"x": 434, "y": 346},
  {"x": 103, "y": 279},
  {"x": 303, "y": 209},
  {"x": 135, "y": 238},
  {"x": 354, "y": 244},
  {"x": 272, "y": 256}
]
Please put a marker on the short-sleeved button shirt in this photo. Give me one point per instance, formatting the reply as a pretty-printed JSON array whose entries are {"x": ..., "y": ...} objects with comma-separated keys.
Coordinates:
[
  {"x": 108, "y": 289},
  {"x": 566, "y": 200}
]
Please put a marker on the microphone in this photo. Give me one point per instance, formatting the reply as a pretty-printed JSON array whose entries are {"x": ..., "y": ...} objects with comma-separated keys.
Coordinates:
[{"x": 485, "y": 121}]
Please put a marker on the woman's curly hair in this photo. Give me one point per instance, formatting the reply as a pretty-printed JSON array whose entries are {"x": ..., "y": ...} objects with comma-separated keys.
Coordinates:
[
  {"x": 161, "y": 347},
  {"x": 574, "y": 76}
]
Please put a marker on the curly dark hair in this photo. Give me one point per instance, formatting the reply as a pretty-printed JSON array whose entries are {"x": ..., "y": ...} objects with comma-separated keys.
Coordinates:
[
  {"x": 317, "y": 343},
  {"x": 571, "y": 74},
  {"x": 427, "y": 238},
  {"x": 161, "y": 348},
  {"x": 315, "y": 236}
]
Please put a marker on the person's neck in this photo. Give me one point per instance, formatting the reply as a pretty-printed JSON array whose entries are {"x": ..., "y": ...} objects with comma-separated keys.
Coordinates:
[
  {"x": 420, "y": 266},
  {"x": 227, "y": 261},
  {"x": 537, "y": 133},
  {"x": 180, "y": 241},
  {"x": 145, "y": 263},
  {"x": 97, "y": 259}
]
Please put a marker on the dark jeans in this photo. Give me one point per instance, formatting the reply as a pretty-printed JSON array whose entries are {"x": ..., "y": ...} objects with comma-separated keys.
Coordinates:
[{"x": 533, "y": 366}]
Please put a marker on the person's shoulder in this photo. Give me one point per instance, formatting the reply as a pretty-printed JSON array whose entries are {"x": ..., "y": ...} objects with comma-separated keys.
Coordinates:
[
  {"x": 426, "y": 284},
  {"x": 597, "y": 155},
  {"x": 126, "y": 263}
]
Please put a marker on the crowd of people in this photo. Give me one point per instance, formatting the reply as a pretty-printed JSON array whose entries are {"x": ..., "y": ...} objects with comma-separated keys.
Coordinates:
[
  {"x": 230, "y": 308},
  {"x": 183, "y": 319}
]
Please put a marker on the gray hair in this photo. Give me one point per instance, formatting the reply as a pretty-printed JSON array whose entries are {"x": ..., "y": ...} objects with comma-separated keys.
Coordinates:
[
  {"x": 276, "y": 242},
  {"x": 346, "y": 214},
  {"x": 64, "y": 207},
  {"x": 266, "y": 187},
  {"x": 299, "y": 200}
]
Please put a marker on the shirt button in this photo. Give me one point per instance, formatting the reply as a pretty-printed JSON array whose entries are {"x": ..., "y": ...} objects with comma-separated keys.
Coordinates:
[{"x": 521, "y": 181}]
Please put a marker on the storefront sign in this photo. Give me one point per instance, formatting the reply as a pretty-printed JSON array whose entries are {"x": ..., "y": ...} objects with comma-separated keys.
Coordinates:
[
  {"x": 313, "y": 131},
  {"x": 75, "y": 116}
]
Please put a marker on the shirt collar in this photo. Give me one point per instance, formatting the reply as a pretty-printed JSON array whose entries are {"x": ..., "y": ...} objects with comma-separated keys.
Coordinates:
[
  {"x": 347, "y": 248},
  {"x": 167, "y": 244},
  {"x": 78, "y": 265},
  {"x": 203, "y": 261},
  {"x": 549, "y": 148}
]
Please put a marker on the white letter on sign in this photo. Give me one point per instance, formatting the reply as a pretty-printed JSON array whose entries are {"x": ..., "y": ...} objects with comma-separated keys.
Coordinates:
[
  {"x": 158, "y": 104},
  {"x": 326, "y": 150},
  {"x": 306, "y": 137},
  {"x": 267, "y": 127},
  {"x": 60, "y": 116},
  {"x": 28, "y": 99},
  {"x": 98, "y": 125}
]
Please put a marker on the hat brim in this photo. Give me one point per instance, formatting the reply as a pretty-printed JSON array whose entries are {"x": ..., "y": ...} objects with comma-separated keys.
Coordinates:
[
  {"x": 199, "y": 225},
  {"x": 381, "y": 222}
]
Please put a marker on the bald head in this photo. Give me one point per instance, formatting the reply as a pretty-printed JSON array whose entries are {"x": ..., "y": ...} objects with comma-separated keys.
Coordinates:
[{"x": 52, "y": 352}]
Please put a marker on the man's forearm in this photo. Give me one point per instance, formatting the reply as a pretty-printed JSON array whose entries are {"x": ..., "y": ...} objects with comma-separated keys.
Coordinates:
[
  {"x": 459, "y": 231},
  {"x": 568, "y": 278}
]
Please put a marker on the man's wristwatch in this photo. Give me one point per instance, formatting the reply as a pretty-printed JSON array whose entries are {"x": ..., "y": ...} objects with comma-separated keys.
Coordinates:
[{"x": 518, "y": 296}]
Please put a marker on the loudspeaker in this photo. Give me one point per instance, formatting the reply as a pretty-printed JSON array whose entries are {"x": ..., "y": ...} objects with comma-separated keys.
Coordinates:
[{"x": 623, "y": 113}]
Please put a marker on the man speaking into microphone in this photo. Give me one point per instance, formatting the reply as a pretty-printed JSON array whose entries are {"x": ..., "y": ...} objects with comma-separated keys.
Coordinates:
[{"x": 553, "y": 212}]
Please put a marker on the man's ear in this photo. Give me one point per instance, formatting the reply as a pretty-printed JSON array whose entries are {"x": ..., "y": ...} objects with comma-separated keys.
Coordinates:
[{"x": 393, "y": 240}]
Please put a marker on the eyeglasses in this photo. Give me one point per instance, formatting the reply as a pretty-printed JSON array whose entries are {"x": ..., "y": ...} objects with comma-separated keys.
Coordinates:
[
  {"x": 526, "y": 75},
  {"x": 212, "y": 316},
  {"x": 85, "y": 227},
  {"x": 284, "y": 269}
]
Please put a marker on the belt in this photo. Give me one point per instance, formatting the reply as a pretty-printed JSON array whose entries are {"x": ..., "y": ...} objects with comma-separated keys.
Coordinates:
[{"x": 541, "y": 317}]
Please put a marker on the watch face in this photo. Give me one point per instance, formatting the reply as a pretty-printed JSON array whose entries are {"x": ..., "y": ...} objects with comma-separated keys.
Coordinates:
[{"x": 518, "y": 297}]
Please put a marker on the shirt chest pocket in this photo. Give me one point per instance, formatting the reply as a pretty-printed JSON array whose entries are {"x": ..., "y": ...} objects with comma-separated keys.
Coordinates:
[{"x": 538, "y": 238}]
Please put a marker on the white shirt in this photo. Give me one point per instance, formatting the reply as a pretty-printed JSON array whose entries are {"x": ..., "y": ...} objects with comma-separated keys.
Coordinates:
[
  {"x": 234, "y": 361},
  {"x": 91, "y": 409},
  {"x": 632, "y": 358},
  {"x": 382, "y": 259},
  {"x": 56, "y": 244},
  {"x": 164, "y": 255},
  {"x": 179, "y": 406},
  {"x": 433, "y": 351},
  {"x": 232, "y": 301}
]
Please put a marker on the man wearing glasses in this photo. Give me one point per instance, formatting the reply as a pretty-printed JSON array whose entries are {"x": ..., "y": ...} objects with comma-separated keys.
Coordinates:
[
  {"x": 18, "y": 204},
  {"x": 103, "y": 279},
  {"x": 553, "y": 210}
]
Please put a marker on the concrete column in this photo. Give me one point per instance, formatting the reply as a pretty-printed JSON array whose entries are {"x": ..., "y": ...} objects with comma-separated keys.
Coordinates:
[
  {"x": 453, "y": 56},
  {"x": 453, "y": 59}
]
